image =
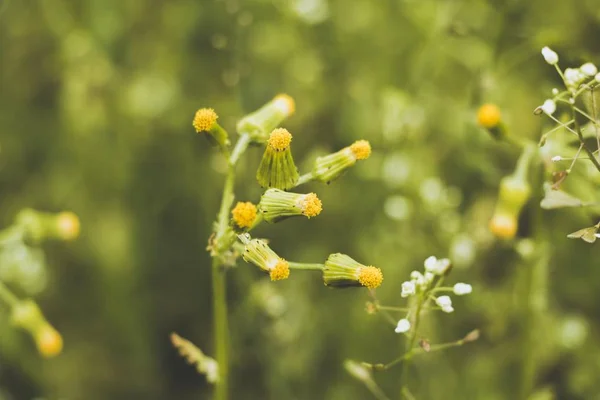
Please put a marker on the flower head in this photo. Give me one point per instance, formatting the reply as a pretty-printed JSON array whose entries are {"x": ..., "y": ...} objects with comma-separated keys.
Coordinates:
[
  {"x": 370, "y": 277},
  {"x": 437, "y": 267},
  {"x": 332, "y": 166},
  {"x": 461, "y": 289},
  {"x": 204, "y": 119},
  {"x": 280, "y": 139},
  {"x": 244, "y": 214},
  {"x": 503, "y": 226},
  {"x": 277, "y": 168},
  {"x": 48, "y": 341},
  {"x": 589, "y": 69},
  {"x": 550, "y": 56},
  {"x": 361, "y": 149},
  {"x": 403, "y": 326},
  {"x": 445, "y": 303},
  {"x": 488, "y": 116},
  {"x": 261, "y": 122},
  {"x": 408, "y": 288},
  {"x": 257, "y": 252},
  {"x": 67, "y": 225},
  {"x": 276, "y": 205},
  {"x": 27, "y": 315},
  {"x": 342, "y": 271},
  {"x": 548, "y": 107}
]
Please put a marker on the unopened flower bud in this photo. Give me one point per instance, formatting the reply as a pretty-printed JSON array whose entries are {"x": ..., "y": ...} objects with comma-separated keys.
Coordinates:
[
  {"x": 276, "y": 205},
  {"x": 342, "y": 271},
  {"x": 205, "y": 121},
  {"x": 332, "y": 166},
  {"x": 257, "y": 252},
  {"x": 277, "y": 168},
  {"x": 28, "y": 316},
  {"x": 403, "y": 326},
  {"x": 262, "y": 121},
  {"x": 550, "y": 56}
]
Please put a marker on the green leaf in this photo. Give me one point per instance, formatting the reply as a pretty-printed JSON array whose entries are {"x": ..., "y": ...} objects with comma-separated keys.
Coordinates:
[{"x": 558, "y": 199}]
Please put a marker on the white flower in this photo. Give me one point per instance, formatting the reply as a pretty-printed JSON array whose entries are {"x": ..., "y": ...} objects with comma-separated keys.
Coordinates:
[
  {"x": 408, "y": 288},
  {"x": 403, "y": 326},
  {"x": 549, "y": 55},
  {"x": 555, "y": 92},
  {"x": 573, "y": 76},
  {"x": 428, "y": 277},
  {"x": 445, "y": 303},
  {"x": 556, "y": 158},
  {"x": 597, "y": 77},
  {"x": 435, "y": 266},
  {"x": 462, "y": 288},
  {"x": 418, "y": 278},
  {"x": 589, "y": 69},
  {"x": 549, "y": 107},
  {"x": 210, "y": 369}
]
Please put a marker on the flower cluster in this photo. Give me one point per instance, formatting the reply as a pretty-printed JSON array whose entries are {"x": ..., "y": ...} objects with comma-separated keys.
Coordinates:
[{"x": 424, "y": 287}]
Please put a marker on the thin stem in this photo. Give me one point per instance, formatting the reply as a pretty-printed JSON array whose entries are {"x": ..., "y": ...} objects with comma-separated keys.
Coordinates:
[
  {"x": 308, "y": 267},
  {"x": 7, "y": 296},
  {"x": 595, "y": 118},
  {"x": 305, "y": 178},
  {"x": 221, "y": 329},
  {"x": 587, "y": 150},
  {"x": 574, "y": 159},
  {"x": 402, "y": 309},
  {"x": 375, "y": 390},
  {"x": 240, "y": 147},
  {"x": 220, "y": 323}
]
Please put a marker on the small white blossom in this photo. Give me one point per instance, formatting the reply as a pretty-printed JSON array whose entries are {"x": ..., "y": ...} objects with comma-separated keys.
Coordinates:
[
  {"x": 210, "y": 369},
  {"x": 408, "y": 288},
  {"x": 549, "y": 55},
  {"x": 573, "y": 76},
  {"x": 462, "y": 289},
  {"x": 403, "y": 326},
  {"x": 435, "y": 266},
  {"x": 556, "y": 158},
  {"x": 597, "y": 77},
  {"x": 445, "y": 303},
  {"x": 555, "y": 92},
  {"x": 428, "y": 277},
  {"x": 589, "y": 69},
  {"x": 549, "y": 107},
  {"x": 571, "y": 101}
]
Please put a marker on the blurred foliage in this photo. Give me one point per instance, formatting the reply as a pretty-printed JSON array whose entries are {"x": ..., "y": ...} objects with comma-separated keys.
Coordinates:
[{"x": 96, "y": 103}]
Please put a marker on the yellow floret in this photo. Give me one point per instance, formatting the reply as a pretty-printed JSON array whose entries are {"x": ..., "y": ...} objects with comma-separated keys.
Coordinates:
[
  {"x": 244, "y": 214},
  {"x": 280, "y": 139},
  {"x": 370, "y": 277},
  {"x": 285, "y": 103},
  {"x": 68, "y": 225},
  {"x": 280, "y": 271},
  {"x": 504, "y": 226},
  {"x": 311, "y": 205},
  {"x": 488, "y": 115},
  {"x": 204, "y": 119},
  {"x": 49, "y": 342},
  {"x": 361, "y": 149}
]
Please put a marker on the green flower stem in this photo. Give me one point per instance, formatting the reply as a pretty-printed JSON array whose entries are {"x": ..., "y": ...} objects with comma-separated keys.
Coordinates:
[
  {"x": 305, "y": 178},
  {"x": 389, "y": 308},
  {"x": 7, "y": 296},
  {"x": 219, "y": 287},
  {"x": 309, "y": 267},
  {"x": 585, "y": 147}
]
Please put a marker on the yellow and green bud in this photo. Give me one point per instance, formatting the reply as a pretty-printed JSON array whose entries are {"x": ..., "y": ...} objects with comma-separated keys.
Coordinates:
[
  {"x": 277, "y": 168},
  {"x": 261, "y": 122},
  {"x": 490, "y": 118},
  {"x": 276, "y": 205},
  {"x": 205, "y": 121},
  {"x": 257, "y": 252},
  {"x": 342, "y": 271},
  {"x": 514, "y": 192},
  {"x": 332, "y": 166},
  {"x": 39, "y": 226},
  {"x": 27, "y": 315},
  {"x": 244, "y": 215}
]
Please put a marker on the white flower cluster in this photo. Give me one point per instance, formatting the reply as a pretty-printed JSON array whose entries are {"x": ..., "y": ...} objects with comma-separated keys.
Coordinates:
[
  {"x": 420, "y": 283},
  {"x": 573, "y": 78}
]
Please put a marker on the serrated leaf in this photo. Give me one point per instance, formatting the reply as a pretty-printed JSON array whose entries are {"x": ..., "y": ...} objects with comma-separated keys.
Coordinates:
[{"x": 586, "y": 234}]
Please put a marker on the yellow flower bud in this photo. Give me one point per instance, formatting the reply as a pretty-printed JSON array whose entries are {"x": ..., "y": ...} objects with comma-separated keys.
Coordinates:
[
  {"x": 488, "y": 116},
  {"x": 244, "y": 214},
  {"x": 67, "y": 225},
  {"x": 504, "y": 226},
  {"x": 49, "y": 342}
]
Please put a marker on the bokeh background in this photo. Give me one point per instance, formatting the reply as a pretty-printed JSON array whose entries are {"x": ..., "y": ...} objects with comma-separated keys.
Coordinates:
[{"x": 96, "y": 103}]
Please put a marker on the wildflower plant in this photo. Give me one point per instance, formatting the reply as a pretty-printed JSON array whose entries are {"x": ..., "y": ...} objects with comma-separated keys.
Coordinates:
[
  {"x": 23, "y": 267},
  {"x": 425, "y": 293},
  {"x": 231, "y": 237}
]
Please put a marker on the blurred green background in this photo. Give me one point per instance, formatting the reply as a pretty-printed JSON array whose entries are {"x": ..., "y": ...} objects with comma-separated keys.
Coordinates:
[{"x": 96, "y": 103}]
